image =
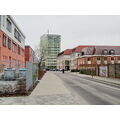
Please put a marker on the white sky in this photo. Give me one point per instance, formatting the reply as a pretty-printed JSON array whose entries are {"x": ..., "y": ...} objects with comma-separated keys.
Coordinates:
[{"x": 74, "y": 30}]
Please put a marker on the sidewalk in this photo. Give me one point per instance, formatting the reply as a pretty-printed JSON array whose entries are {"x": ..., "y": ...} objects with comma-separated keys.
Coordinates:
[
  {"x": 49, "y": 91},
  {"x": 112, "y": 80},
  {"x": 50, "y": 84}
]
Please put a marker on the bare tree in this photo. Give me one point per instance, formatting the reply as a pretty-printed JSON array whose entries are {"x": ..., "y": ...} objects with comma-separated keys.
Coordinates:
[{"x": 40, "y": 54}]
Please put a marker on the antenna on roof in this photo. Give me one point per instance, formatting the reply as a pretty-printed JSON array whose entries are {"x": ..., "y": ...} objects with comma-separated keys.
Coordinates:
[{"x": 48, "y": 31}]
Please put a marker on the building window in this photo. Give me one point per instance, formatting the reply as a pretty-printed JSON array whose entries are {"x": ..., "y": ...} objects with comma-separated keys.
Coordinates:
[
  {"x": 17, "y": 35},
  {"x": 119, "y": 58},
  {"x": 112, "y": 52},
  {"x": 14, "y": 47},
  {"x": 112, "y": 58},
  {"x": 105, "y": 52},
  {"x": 18, "y": 50},
  {"x": 98, "y": 58},
  {"x": 22, "y": 52},
  {"x": 105, "y": 58},
  {"x": 9, "y": 43},
  {"x": 9, "y": 25},
  {"x": 81, "y": 53},
  {"x": 89, "y": 59},
  {"x": 4, "y": 40}
]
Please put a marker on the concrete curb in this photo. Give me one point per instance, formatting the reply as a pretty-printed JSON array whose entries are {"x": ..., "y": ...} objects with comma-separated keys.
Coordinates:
[{"x": 112, "y": 80}]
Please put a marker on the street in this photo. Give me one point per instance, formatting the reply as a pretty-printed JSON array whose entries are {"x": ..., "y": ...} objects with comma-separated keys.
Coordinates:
[
  {"x": 69, "y": 88},
  {"x": 90, "y": 91}
]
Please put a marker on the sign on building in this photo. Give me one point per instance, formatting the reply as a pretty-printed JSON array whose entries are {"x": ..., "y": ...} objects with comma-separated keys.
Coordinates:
[{"x": 103, "y": 71}]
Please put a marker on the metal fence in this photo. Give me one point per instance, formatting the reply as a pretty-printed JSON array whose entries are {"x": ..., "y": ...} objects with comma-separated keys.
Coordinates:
[
  {"x": 111, "y": 70},
  {"x": 11, "y": 64},
  {"x": 31, "y": 74},
  {"x": 23, "y": 83}
]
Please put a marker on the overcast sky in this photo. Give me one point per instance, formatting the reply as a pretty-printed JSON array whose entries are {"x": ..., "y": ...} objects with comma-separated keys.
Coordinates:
[{"x": 74, "y": 30}]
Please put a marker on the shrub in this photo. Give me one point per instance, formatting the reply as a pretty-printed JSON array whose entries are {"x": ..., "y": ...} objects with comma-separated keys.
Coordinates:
[
  {"x": 88, "y": 71},
  {"x": 75, "y": 70}
]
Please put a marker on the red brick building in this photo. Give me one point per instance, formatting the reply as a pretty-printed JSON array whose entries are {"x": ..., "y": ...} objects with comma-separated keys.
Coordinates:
[
  {"x": 98, "y": 55},
  {"x": 12, "y": 42},
  {"x": 29, "y": 54},
  {"x": 88, "y": 56}
]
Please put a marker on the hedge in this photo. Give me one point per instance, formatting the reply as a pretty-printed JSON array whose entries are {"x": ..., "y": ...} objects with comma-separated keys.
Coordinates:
[
  {"x": 75, "y": 70},
  {"x": 88, "y": 71}
]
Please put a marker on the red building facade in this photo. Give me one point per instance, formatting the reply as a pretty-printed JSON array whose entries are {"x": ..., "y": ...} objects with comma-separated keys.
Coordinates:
[
  {"x": 98, "y": 55},
  {"x": 11, "y": 44},
  {"x": 29, "y": 54}
]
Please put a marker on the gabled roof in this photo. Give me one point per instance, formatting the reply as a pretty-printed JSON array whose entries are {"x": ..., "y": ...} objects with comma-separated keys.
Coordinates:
[
  {"x": 98, "y": 50},
  {"x": 80, "y": 47},
  {"x": 67, "y": 52}
]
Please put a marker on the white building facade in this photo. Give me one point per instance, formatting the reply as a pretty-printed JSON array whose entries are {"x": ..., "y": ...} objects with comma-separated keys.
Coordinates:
[{"x": 49, "y": 48}]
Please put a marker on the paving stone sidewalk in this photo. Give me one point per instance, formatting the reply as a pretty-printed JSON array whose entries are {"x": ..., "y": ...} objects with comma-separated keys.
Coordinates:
[
  {"x": 49, "y": 91},
  {"x": 50, "y": 85}
]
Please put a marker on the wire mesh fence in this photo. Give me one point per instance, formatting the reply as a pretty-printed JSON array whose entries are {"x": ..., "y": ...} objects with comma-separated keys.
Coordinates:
[{"x": 11, "y": 64}]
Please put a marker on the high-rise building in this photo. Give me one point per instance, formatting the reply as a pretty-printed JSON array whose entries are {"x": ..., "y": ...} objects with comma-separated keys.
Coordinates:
[
  {"x": 49, "y": 49},
  {"x": 12, "y": 42}
]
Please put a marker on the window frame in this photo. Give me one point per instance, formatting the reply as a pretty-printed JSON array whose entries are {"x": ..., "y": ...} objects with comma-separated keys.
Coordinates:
[
  {"x": 112, "y": 50},
  {"x": 9, "y": 43},
  {"x": 112, "y": 58},
  {"x": 105, "y": 58},
  {"x": 17, "y": 35},
  {"x": 9, "y": 25},
  {"x": 4, "y": 40}
]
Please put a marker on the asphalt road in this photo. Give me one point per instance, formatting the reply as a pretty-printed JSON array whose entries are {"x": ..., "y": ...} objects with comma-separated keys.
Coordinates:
[{"x": 89, "y": 91}]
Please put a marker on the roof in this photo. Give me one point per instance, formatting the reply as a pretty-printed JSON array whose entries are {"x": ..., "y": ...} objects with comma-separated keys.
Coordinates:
[
  {"x": 70, "y": 51},
  {"x": 98, "y": 50},
  {"x": 65, "y": 52},
  {"x": 91, "y": 50},
  {"x": 79, "y": 48}
]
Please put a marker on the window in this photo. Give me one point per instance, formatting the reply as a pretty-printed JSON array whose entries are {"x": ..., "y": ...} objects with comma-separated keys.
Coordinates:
[
  {"x": 105, "y": 58},
  {"x": 9, "y": 43},
  {"x": 81, "y": 53},
  {"x": 119, "y": 58},
  {"x": 22, "y": 52},
  {"x": 14, "y": 47},
  {"x": 17, "y": 35},
  {"x": 4, "y": 40},
  {"x": 98, "y": 58},
  {"x": 9, "y": 25},
  {"x": 89, "y": 59},
  {"x": 105, "y": 52},
  {"x": 18, "y": 50},
  {"x": 112, "y": 58},
  {"x": 112, "y": 52}
]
